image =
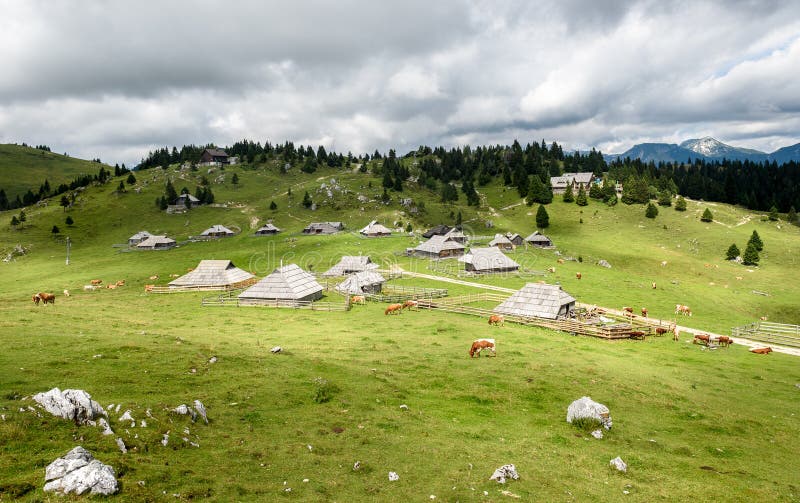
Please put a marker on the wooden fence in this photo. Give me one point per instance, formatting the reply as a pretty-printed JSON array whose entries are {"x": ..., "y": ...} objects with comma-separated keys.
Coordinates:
[
  {"x": 396, "y": 293},
  {"x": 238, "y": 287},
  {"x": 775, "y": 333},
  {"x": 621, "y": 329},
  {"x": 231, "y": 299}
]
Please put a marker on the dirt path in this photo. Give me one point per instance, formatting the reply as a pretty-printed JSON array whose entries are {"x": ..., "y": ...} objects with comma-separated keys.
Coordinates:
[{"x": 694, "y": 331}]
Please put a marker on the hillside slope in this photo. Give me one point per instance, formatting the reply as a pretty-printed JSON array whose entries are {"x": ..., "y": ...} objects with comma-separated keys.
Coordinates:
[{"x": 23, "y": 168}]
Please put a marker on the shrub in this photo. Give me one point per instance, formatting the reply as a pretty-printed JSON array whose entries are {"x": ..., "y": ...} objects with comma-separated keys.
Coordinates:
[
  {"x": 587, "y": 424},
  {"x": 680, "y": 204},
  {"x": 273, "y": 206},
  {"x": 55, "y": 229},
  {"x": 323, "y": 390},
  {"x": 542, "y": 218},
  {"x": 750, "y": 255},
  {"x": 707, "y": 216},
  {"x": 755, "y": 239},
  {"x": 733, "y": 252},
  {"x": 651, "y": 211},
  {"x": 69, "y": 220},
  {"x": 773, "y": 214}
]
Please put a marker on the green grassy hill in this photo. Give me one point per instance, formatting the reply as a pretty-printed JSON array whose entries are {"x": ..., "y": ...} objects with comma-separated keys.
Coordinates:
[
  {"x": 23, "y": 168},
  {"x": 692, "y": 424}
]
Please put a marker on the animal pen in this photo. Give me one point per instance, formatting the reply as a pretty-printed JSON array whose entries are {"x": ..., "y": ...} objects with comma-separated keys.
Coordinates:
[
  {"x": 231, "y": 299},
  {"x": 774, "y": 333},
  {"x": 587, "y": 322}
]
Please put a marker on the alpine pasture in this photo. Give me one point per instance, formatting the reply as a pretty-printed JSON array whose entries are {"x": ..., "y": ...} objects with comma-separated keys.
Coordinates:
[{"x": 692, "y": 424}]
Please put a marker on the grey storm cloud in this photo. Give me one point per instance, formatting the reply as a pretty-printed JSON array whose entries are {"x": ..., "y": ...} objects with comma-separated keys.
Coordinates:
[{"x": 115, "y": 79}]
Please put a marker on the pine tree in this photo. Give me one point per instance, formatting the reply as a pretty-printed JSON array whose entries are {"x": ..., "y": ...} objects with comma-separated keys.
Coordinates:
[
  {"x": 773, "y": 214},
  {"x": 581, "y": 200},
  {"x": 651, "y": 211},
  {"x": 733, "y": 252},
  {"x": 273, "y": 206},
  {"x": 664, "y": 198},
  {"x": 755, "y": 240},
  {"x": 750, "y": 255},
  {"x": 791, "y": 217},
  {"x": 69, "y": 220},
  {"x": 64, "y": 203},
  {"x": 235, "y": 181},
  {"x": 568, "y": 196},
  {"x": 307, "y": 200},
  {"x": 55, "y": 229},
  {"x": 542, "y": 218},
  {"x": 14, "y": 221},
  {"x": 409, "y": 228},
  {"x": 707, "y": 216},
  {"x": 595, "y": 191},
  {"x": 458, "y": 219},
  {"x": 131, "y": 179},
  {"x": 680, "y": 204},
  {"x": 121, "y": 186},
  {"x": 535, "y": 191}
]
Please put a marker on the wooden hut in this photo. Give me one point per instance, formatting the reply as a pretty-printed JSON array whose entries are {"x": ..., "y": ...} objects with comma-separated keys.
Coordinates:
[
  {"x": 538, "y": 300},
  {"x": 439, "y": 247},
  {"x": 539, "y": 240},
  {"x": 323, "y": 228},
  {"x": 374, "y": 230},
  {"x": 214, "y": 157},
  {"x": 501, "y": 242},
  {"x": 186, "y": 200},
  {"x": 515, "y": 239},
  {"x": 157, "y": 243},
  {"x": 267, "y": 230},
  {"x": 138, "y": 238},
  {"x": 213, "y": 275},
  {"x": 361, "y": 283},
  {"x": 217, "y": 231},
  {"x": 350, "y": 264},
  {"x": 287, "y": 283},
  {"x": 439, "y": 230},
  {"x": 488, "y": 260},
  {"x": 559, "y": 184},
  {"x": 456, "y": 235}
]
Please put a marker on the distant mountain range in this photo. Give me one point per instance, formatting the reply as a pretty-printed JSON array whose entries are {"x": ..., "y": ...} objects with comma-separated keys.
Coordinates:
[{"x": 707, "y": 148}]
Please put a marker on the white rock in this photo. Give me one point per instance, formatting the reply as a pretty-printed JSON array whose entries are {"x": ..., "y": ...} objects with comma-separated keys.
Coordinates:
[
  {"x": 201, "y": 409},
  {"x": 357, "y": 466},
  {"x": 404, "y": 407},
  {"x": 126, "y": 417},
  {"x": 598, "y": 434},
  {"x": 78, "y": 472},
  {"x": 276, "y": 349},
  {"x": 504, "y": 472},
  {"x": 585, "y": 407},
  {"x": 116, "y": 409},
  {"x": 110, "y": 406},
  {"x": 121, "y": 445},
  {"x": 73, "y": 404},
  {"x": 149, "y": 413},
  {"x": 305, "y": 480},
  {"x": 106, "y": 428},
  {"x": 165, "y": 440},
  {"x": 143, "y": 424},
  {"x": 213, "y": 359},
  {"x": 619, "y": 464},
  {"x": 393, "y": 476},
  {"x": 185, "y": 410}
]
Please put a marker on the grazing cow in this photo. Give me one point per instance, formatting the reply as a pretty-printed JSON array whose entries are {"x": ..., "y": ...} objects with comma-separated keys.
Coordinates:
[
  {"x": 702, "y": 338},
  {"x": 96, "y": 281},
  {"x": 683, "y": 310},
  {"x": 394, "y": 309},
  {"x": 724, "y": 340},
  {"x": 551, "y": 269},
  {"x": 627, "y": 311},
  {"x": 481, "y": 344},
  {"x": 663, "y": 263},
  {"x": 654, "y": 285},
  {"x": 358, "y": 299},
  {"x": 111, "y": 286},
  {"x": 149, "y": 288},
  {"x": 121, "y": 282},
  {"x": 560, "y": 261},
  {"x": 675, "y": 333},
  {"x": 90, "y": 288},
  {"x": 637, "y": 334},
  {"x": 154, "y": 277},
  {"x": 644, "y": 312},
  {"x": 761, "y": 351},
  {"x": 190, "y": 269},
  {"x": 763, "y": 318},
  {"x": 739, "y": 278},
  {"x": 661, "y": 330},
  {"x": 497, "y": 320},
  {"x": 411, "y": 304},
  {"x": 47, "y": 298},
  {"x": 36, "y": 298},
  {"x": 578, "y": 275},
  {"x": 66, "y": 293}
]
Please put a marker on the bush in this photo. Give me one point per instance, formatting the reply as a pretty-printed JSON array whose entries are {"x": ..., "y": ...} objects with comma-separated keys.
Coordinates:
[
  {"x": 707, "y": 216},
  {"x": 733, "y": 252},
  {"x": 680, "y": 204},
  {"x": 773, "y": 214},
  {"x": 273, "y": 206},
  {"x": 568, "y": 196},
  {"x": 755, "y": 240},
  {"x": 651, "y": 211},
  {"x": 69, "y": 220},
  {"x": 750, "y": 255},
  {"x": 323, "y": 390}
]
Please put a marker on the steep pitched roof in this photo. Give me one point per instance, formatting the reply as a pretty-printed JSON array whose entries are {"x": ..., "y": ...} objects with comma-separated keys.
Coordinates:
[
  {"x": 287, "y": 282},
  {"x": 561, "y": 181},
  {"x": 536, "y": 299},
  {"x": 154, "y": 241},
  {"x": 455, "y": 234},
  {"x": 500, "y": 239},
  {"x": 437, "y": 244},
  {"x": 140, "y": 235},
  {"x": 351, "y": 263},
  {"x": 213, "y": 273},
  {"x": 217, "y": 229},
  {"x": 439, "y": 230},
  {"x": 267, "y": 228},
  {"x": 217, "y": 152},
  {"x": 375, "y": 228},
  {"x": 355, "y": 283},
  {"x": 488, "y": 259},
  {"x": 537, "y": 238}
]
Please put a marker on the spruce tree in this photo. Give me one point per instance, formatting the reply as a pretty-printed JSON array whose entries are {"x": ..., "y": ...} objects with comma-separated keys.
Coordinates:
[
  {"x": 235, "y": 180},
  {"x": 273, "y": 206},
  {"x": 69, "y": 220},
  {"x": 581, "y": 200},
  {"x": 121, "y": 186},
  {"x": 131, "y": 179},
  {"x": 14, "y": 221},
  {"x": 773, "y": 214},
  {"x": 680, "y": 204},
  {"x": 307, "y": 200},
  {"x": 64, "y": 203},
  {"x": 750, "y": 255},
  {"x": 55, "y": 229},
  {"x": 568, "y": 196},
  {"x": 664, "y": 198},
  {"x": 791, "y": 217},
  {"x": 542, "y": 218},
  {"x": 755, "y": 239},
  {"x": 733, "y": 252},
  {"x": 651, "y": 211},
  {"x": 707, "y": 216},
  {"x": 535, "y": 191},
  {"x": 595, "y": 191}
]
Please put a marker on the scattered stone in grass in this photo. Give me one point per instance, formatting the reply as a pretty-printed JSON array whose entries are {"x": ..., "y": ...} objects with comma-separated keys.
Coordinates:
[
  {"x": 619, "y": 464},
  {"x": 598, "y": 434},
  {"x": 78, "y": 472},
  {"x": 393, "y": 476},
  {"x": 165, "y": 439},
  {"x": 276, "y": 350},
  {"x": 356, "y": 466},
  {"x": 116, "y": 409},
  {"x": 106, "y": 428},
  {"x": 185, "y": 410},
  {"x": 3, "y": 417},
  {"x": 305, "y": 480},
  {"x": 143, "y": 424},
  {"x": 186, "y": 431},
  {"x": 432, "y": 497},
  {"x": 509, "y": 494},
  {"x": 73, "y": 404},
  {"x": 193, "y": 371},
  {"x": 141, "y": 483},
  {"x": 121, "y": 445},
  {"x": 310, "y": 448},
  {"x": 110, "y": 406},
  {"x": 504, "y": 472},
  {"x": 127, "y": 417},
  {"x": 149, "y": 413},
  {"x": 404, "y": 407},
  {"x": 604, "y": 263},
  {"x": 585, "y": 409},
  {"x": 626, "y": 492},
  {"x": 201, "y": 410},
  {"x": 797, "y": 385},
  {"x": 213, "y": 359},
  {"x": 97, "y": 356}
]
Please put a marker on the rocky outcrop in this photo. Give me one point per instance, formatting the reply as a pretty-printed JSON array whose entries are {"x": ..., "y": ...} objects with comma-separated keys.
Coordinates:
[
  {"x": 586, "y": 408},
  {"x": 505, "y": 472},
  {"x": 78, "y": 472},
  {"x": 73, "y": 404}
]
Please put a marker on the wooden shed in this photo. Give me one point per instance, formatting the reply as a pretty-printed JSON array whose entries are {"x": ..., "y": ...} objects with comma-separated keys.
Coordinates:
[
  {"x": 217, "y": 231},
  {"x": 439, "y": 247},
  {"x": 351, "y": 264},
  {"x": 488, "y": 260},
  {"x": 323, "y": 228},
  {"x": 374, "y": 230},
  {"x": 501, "y": 242},
  {"x": 515, "y": 239},
  {"x": 286, "y": 283},
  {"x": 539, "y": 240},
  {"x": 267, "y": 230},
  {"x": 538, "y": 300},
  {"x": 157, "y": 243},
  {"x": 362, "y": 282},
  {"x": 213, "y": 275}
]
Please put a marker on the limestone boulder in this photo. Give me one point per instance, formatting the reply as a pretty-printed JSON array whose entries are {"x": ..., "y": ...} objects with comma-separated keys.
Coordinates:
[
  {"x": 73, "y": 404},
  {"x": 586, "y": 408},
  {"x": 78, "y": 472}
]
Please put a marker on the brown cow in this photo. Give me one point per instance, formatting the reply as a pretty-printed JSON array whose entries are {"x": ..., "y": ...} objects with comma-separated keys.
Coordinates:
[
  {"x": 654, "y": 285},
  {"x": 497, "y": 320},
  {"x": 661, "y": 330},
  {"x": 763, "y": 318},
  {"x": 761, "y": 351},
  {"x": 358, "y": 299},
  {"x": 551, "y": 269},
  {"x": 560, "y": 261},
  {"x": 578, "y": 275},
  {"x": 637, "y": 334},
  {"x": 36, "y": 298},
  {"x": 154, "y": 277},
  {"x": 703, "y": 338},
  {"x": 644, "y": 312},
  {"x": 47, "y": 298},
  {"x": 149, "y": 288},
  {"x": 121, "y": 282},
  {"x": 481, "y": 344},
  {"x": 684, "y": 310},
  {"x": 96, "y": 281},
  {"x": 111, "y": 286},
  {"x": 627, "y": 311},
  {"x": 394, "y": 309},
  {"x": 724, "y": 340},
  {"x": 411, "y": 304}
]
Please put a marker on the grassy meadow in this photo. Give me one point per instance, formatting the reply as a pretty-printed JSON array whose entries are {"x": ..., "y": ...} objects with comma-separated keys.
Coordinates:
[{"x": 692, "y": 425}]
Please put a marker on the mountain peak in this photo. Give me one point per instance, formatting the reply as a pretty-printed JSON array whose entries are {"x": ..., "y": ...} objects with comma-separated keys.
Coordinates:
[{"x": 711, "y": 147}]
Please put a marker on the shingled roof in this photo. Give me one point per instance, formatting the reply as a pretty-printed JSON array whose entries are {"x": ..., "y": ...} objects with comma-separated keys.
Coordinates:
[
  {"x": 157, "y": 242},
  {"x": 539, "y": 300},
  {"x": 350, "y": 264},
  {"x": 375, "y": 229},
  {"x": 267, "y": 229},
  {"x": 289, "y": 282},
  {"x": 216, "y": 230},
  {"x": 437, "y": 244},
  {"x": 500, "y": 239},
  {"x": 488, "y": 259},
  {"x": 356, "y": 283},
  {"x": 212, "y": 273}
]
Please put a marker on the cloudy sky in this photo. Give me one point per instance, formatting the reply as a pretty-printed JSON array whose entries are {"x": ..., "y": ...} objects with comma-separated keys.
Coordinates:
[{"x": 114, "y": 79}]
